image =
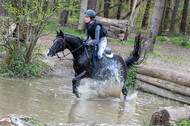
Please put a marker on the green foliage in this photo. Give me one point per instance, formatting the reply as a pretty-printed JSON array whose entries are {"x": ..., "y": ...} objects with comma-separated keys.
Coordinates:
[
  {"x": 130, "y": 76},
  {"x": 161, "y": 38},
  {"x": 2, "y": 48},
  {"x": 183, "y": 122},
  {"x": 51, "y": 26},
  {"x": 35, "y": 122},
  {"x": 18, "y": 68},
  {"x": 181, "y": 41}
]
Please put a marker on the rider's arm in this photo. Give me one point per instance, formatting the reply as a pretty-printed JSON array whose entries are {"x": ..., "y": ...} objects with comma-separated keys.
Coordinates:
[
  {"x": 97, "y": 36},
  {"x": 87, "y": 36}
]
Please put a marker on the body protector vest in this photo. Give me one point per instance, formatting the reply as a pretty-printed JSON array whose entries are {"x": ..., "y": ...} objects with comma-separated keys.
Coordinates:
[{"x": 92, "y": 27}]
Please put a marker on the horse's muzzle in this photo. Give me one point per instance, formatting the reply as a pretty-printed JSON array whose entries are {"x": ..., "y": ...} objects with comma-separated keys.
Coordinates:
[{"x": 50, "y": 53}]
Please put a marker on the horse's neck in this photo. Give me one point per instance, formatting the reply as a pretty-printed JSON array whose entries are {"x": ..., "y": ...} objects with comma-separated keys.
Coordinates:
[{"x": 72, "y": 45}]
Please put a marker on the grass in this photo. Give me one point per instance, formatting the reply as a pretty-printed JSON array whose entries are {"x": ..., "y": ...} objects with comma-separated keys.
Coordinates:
[
  {"x": 180, "y": 41},
  {"x": 161, "y": 39},
  {"x": 183, "y": 122},
  {"x": 169, "y": 59},
  {"x": 36, "y": 123},
  {"x": 128, "y": 42},
  {"x": 52, "y": 26}
]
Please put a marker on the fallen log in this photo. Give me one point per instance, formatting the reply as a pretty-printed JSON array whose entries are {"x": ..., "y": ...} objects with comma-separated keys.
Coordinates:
[
  {"x": 167, "y": 116},
  {"x": 173, "y": 76},
  {"x": 164, "y": 84},
  {"x": 161, "y": 92}
]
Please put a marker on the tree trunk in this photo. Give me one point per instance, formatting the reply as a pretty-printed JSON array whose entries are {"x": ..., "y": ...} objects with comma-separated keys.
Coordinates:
[
  {"x": 173, "y": 76},
  {"x": 64, "y": 14},
  {"x": 161, "y": 92},
  {"x": 92, "y": 4},
  {"x": 154, "y": 25},
  {"x": 119, "y": 9},
  {"x": 184, "y": 17},
  {"x": 164, "y": 84},
  {"x": 173, "y": 19},
  {"x": 115, "y": 5},
  {"x": 163, "y": 14},
  {"x": 146, "y": 15},
  {"x": 100, "y": 5},
  {"x": 83, "y": 8},
  {"x": 131, "y": 5},
  {"x": 106, "y": 7},
  {"x": 63, "y": 17},
  {"x": 168, "y": 116},
  {"x": 166, "y": 18},
  {"x": 129, "y": 13}
]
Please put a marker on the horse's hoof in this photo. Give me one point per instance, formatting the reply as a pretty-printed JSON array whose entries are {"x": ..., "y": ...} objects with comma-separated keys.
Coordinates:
[{"x": 77, "y": 95}]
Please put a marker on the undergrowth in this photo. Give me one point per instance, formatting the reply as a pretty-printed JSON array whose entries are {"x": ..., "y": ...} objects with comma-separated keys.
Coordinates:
[
  {"x": 130, "y": 80},
  {"x": 17, "y": 68}
]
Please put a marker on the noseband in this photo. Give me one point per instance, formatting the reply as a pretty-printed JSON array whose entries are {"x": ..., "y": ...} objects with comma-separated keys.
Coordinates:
[{"x": 64, "y": 57}]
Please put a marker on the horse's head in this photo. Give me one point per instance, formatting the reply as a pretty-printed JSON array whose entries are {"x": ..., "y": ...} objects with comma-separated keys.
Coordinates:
[{"x": 58, "y": 44}]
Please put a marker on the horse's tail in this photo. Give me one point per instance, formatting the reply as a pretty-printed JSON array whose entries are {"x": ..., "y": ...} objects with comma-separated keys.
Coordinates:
[{"x": 135, "y": 55}]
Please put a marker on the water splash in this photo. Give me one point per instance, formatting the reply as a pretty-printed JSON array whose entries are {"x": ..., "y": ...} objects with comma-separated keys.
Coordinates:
[{"x": 100, "y": 89}]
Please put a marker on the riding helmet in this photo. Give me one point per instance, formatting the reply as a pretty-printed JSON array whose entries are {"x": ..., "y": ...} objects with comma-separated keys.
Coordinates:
[{"x": 90, "y": 13}]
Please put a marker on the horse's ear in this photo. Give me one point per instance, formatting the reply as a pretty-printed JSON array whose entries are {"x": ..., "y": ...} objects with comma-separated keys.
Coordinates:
[
  {"x": 57, "y": 32},
  {"x": 61, "y": 33}
]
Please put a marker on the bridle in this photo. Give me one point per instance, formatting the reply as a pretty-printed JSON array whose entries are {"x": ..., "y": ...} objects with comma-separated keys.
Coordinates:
[{"x": 64, "y": 57}]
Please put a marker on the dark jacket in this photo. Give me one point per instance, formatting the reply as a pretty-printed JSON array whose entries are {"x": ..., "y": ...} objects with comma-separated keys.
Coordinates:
[{"x": 91, "y": 29}]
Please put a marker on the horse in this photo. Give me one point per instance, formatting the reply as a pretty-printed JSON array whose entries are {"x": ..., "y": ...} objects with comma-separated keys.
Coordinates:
[{"x": 84, "y": 58}]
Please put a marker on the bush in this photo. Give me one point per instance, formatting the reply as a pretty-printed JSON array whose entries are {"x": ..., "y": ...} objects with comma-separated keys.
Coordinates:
[
  {"x": 17, "y": 68},
  {"x": 130, "y": 76}
]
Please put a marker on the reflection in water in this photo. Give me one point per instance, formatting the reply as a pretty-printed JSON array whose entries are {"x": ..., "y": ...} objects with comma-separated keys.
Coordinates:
[{"x": 51, "y": 100}]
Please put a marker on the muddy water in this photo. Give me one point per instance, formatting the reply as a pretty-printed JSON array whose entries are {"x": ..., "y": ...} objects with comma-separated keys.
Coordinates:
[{"x": 51, "y": 100}]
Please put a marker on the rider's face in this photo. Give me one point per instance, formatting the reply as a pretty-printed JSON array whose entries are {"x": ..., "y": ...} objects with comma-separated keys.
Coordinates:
[{"x": 87, "y": 19}]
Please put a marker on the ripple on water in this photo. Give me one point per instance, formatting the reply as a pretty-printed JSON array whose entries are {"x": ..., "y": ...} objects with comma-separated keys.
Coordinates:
[{"x": 51, "y": 100}]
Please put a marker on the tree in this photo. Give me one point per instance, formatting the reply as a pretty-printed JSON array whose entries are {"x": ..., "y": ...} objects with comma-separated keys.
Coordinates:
[
  {"x": 184, "y": 17},
  {"x": 106, "y": 7},
  {"x": 119, "y": 9},
  {"x": 173, "y": 19},
  {"x": 167, "y": 14},
  {"x": 162, "y": 19},
  {"x": 92, "y": 4},
  {"x": 64, "y": 13},
  {"x": 29, "y": 17},
  {"x": 146, "y": 14},
  {"x": 154, "y": 25},
  {"x": 83, "y": 8}
]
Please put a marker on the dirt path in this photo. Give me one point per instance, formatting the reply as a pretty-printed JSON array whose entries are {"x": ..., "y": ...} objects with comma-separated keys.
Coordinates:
[{"x": 168, "y": 57}]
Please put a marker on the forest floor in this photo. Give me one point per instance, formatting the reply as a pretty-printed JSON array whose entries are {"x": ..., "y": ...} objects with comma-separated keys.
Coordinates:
[{"x": 167, "y": 56}]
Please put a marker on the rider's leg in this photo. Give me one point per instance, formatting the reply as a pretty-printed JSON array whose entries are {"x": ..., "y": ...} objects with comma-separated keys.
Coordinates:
[{"x": 101, "y": 47}]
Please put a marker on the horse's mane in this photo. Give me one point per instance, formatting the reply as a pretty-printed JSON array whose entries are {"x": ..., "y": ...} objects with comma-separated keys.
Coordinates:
[{"x": 76, "y": 38}]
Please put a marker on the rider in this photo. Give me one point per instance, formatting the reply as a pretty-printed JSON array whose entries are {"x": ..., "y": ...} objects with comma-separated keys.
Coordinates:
[{"x": 96, "y": 31}]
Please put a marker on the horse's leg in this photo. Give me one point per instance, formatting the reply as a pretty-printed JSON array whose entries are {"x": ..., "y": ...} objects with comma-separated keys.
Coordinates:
[
  {"x": 76, "y": 83},
  {"x": 124, "y": 91}
]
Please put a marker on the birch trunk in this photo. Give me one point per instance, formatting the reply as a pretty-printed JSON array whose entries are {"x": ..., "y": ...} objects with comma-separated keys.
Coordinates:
[{"x": 83, "y": 8}]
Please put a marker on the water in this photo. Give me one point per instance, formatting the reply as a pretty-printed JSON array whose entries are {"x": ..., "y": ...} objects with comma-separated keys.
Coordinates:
[{"x": 51, "y": 100}]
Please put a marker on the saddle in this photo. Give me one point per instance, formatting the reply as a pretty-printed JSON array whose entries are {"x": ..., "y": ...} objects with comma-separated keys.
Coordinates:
[{"x": 108, "y": 52}]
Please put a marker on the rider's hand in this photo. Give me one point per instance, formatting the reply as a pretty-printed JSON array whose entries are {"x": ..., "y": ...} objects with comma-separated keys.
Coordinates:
[{"x": 85, "y": 44}]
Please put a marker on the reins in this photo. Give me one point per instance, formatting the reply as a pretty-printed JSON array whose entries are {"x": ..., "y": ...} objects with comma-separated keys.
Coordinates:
[{"x": 65, "y": 56}]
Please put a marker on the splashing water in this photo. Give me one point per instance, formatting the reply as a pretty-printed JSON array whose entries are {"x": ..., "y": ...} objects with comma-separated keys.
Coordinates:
[{"x": 100, "y": 89}]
